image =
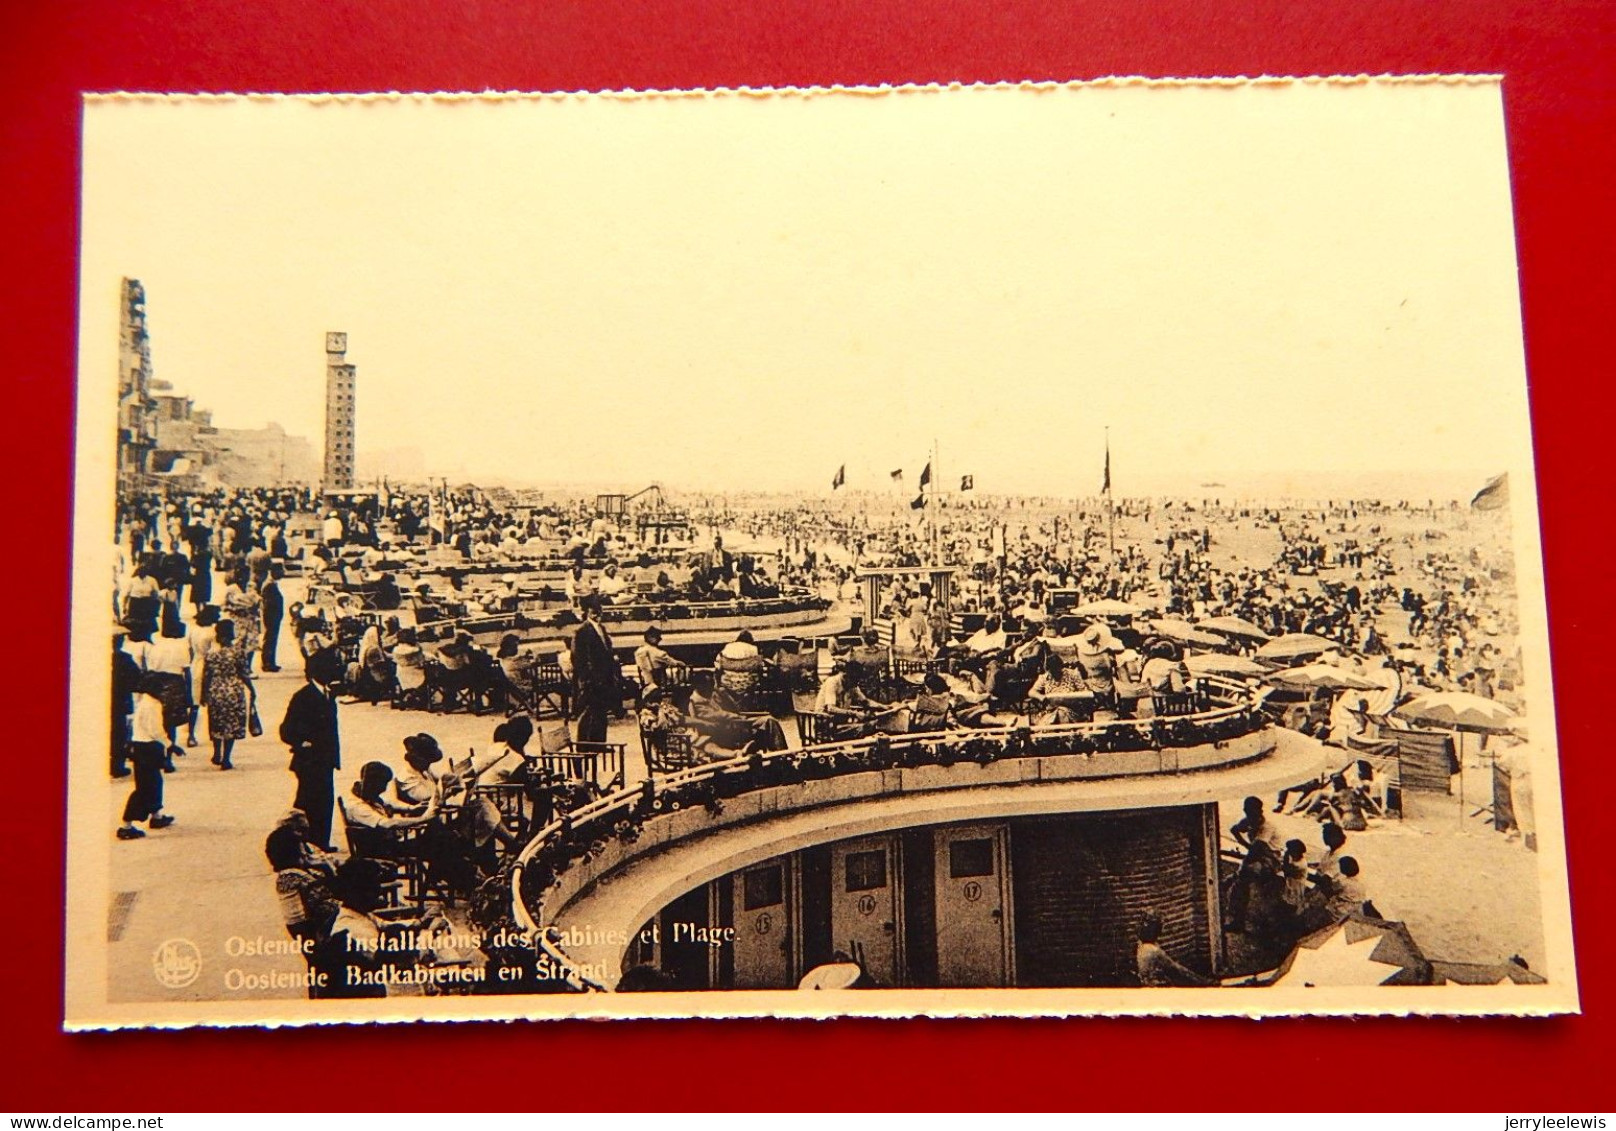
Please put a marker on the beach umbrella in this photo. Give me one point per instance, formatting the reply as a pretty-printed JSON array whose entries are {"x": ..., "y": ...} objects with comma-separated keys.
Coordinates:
[
  {"x": 1216, "y": 663},
  {"x": 1296, "y": 646},
  {"x": 1325, "y": 677},
  {"x": 1234, "y": 626},
  {"x": 1356, "y": 952},
  {"x": 1107, "y": 608},
  {"x": 1459, "y": 710},
  {"x": 832, "y": 976},
  {"x": 1184, "y": 632},
  {"x": 1483, "y": 974}
]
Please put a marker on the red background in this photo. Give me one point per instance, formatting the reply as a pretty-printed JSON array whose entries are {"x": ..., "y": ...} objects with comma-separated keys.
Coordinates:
[{"x": 1556, "y": 56}]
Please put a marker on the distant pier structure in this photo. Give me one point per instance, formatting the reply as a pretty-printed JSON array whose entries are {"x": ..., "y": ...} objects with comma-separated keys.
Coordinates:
[{"x": 339, "y": 414}]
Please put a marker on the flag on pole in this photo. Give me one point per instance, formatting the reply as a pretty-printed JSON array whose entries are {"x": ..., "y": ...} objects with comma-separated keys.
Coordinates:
[
  {"x": 841, "y": 477},
  {"x": 918, "y": 502},
  {"x": 897, "y": 476},
  {"x": 1105, "y": 487},
  {"x": 925, "y": 475},
  {"x": 967, "y": 482},
  {"x": 1494, "y": 495}
]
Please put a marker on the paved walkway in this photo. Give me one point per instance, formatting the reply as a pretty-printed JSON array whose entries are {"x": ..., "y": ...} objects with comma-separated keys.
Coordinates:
[{"x": 205, "y": 879}]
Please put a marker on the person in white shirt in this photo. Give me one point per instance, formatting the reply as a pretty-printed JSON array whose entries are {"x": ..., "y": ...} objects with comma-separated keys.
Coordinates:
[
  {"x": 147, "y": 752},
  {"x": 578, "y": 586},
  {"x": 610, "y": 585},
  {"x": 743, "y": 648},
  {"x": 912, "y": 632},
  {"x": 989, "y": 638},
  {"x": 168, "y": 658},
  {"x": 652, "y": 663}
]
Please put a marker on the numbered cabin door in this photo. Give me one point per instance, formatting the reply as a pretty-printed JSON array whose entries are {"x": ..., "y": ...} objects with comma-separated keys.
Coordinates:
[
  {"x": 865, "y": 922},
  {"x": 763, "y": 935},
  {"x": 973, "y": 906}
]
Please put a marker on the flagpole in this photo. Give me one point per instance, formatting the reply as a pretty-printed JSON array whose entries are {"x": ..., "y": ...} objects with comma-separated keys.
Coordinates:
[
  {"x": 936, "y": 471},
  {"x": 1110, "y": 509}
]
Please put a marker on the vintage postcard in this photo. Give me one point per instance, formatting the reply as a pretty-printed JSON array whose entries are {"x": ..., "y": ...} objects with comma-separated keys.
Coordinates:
[{"x": 1039, "y": 549}]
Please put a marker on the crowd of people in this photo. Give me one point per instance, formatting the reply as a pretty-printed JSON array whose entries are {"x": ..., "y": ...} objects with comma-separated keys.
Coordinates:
[{"x": 199, "y": 610}]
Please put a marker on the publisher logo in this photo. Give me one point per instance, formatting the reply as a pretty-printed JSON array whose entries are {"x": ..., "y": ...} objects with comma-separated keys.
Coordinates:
[{"x": 177, "y": 963}]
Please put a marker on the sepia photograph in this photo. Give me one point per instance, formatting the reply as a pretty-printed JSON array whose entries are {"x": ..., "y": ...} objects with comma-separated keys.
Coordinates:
[{"x": 1026, "y": 549}]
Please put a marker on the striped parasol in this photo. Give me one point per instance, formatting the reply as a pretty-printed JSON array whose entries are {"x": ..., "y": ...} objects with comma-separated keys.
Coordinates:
[
  {"x": 1107, "y": 608},
  {"x": 1459, "y": 710},
  {"x": 1357, "y": 951},
  {"x": 1185, "y": 633},
  {"x": 1323, "y": 676},
  {"x": 1296, "y": 646},
  {"x": 1216, "y": 663},
  {"x": 1238, "y": 627}
]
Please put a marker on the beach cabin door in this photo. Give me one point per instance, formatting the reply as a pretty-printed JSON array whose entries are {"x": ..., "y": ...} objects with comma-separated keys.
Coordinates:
[
  {"x": 865, "y": 923},
  {"x": 973, "y": 906},
  {"x": 763, "y": 927}
]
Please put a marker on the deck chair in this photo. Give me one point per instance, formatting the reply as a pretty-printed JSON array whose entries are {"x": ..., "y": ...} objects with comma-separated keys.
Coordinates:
[
  {"x": 404, "y": 881},
  {"x": 511, "y": 800},
  {"x": 668, "y": 751},
  {"x": 552, "y": 691},
  {"x": 813, "y": 728},
  {"x": 1176, "y": 706}
]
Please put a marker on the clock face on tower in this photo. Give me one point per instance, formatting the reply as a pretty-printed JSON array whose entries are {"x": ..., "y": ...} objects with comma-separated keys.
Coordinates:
[{"x": 336, "y": 342}]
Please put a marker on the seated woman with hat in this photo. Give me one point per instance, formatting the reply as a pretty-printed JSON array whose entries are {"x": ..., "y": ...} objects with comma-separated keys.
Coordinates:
[
  {"x": 376, "y": 824},
  {"x": 1096, "y": 658},
  {"x": 421, "y": 787}
]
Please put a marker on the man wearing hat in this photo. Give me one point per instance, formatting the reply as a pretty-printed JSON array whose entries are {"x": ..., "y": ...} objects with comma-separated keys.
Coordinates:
[
  {"x": 310, "y": 729},
  {"x": 595, "y": 673},
  {"x": 272, "y": 610}
]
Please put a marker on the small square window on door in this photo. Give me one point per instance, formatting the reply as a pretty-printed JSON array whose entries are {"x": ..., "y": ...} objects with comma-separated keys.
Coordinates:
[
  {"x": 866, "y": 871},
  {"x": 970, "y": 858},
  {"x": 763, "y": 887}
]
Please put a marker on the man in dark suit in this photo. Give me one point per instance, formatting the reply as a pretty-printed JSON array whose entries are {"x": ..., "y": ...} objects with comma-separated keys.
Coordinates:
[
  {"x": 594, "y": 672},
  {"x": 310, "y": 729},
  {"x": 126, "y": 675},
  {"x": 273, "y": 608}
]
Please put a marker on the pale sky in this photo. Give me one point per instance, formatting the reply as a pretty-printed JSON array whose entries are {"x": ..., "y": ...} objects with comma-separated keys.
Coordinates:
[{"x": 732, "y": 291}]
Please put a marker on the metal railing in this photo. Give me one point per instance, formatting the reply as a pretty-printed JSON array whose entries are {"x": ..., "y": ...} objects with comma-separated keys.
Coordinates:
[{"x": 659, "y": 794}]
